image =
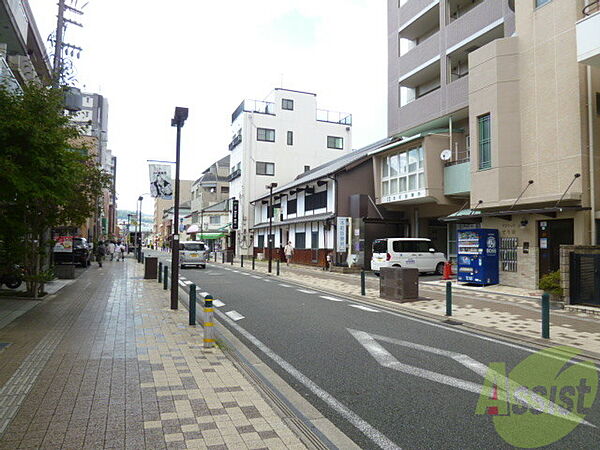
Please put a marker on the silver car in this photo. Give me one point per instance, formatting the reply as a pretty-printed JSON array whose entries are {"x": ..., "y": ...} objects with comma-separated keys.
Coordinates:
[{"x": 192, "y": 253}]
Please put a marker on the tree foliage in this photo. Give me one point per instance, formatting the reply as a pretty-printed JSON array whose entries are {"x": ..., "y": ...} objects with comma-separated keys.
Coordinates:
[{"x": 47, "y": 178}]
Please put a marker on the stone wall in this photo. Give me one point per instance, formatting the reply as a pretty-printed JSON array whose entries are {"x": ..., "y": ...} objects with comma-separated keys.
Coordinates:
[{"x": 565, "y": 269}]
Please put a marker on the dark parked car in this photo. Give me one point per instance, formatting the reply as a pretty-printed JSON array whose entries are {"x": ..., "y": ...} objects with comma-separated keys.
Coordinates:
[{"x": 82, "y": 254}]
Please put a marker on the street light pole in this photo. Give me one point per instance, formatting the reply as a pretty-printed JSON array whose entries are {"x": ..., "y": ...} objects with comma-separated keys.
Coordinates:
[
  {"x": 181, "y": 114},
  {"x": 139, "y": 235},
  {"x": 270, "y": 214}
]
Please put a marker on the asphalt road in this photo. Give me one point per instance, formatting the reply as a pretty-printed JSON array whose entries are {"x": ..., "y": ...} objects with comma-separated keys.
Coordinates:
[{"x": 362, "y": 366}]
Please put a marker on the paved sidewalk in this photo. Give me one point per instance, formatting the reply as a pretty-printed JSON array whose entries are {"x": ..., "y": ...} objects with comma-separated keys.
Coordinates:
[
  {"x": 514, "y": 316},
  {"x": 106, "y": 364}
]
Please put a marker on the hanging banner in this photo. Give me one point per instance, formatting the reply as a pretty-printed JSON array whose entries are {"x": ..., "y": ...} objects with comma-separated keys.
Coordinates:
[{"x": 161, "y": 183}]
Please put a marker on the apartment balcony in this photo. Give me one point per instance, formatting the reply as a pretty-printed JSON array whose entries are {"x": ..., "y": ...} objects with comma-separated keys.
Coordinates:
[
  {"x": 414, "y": 11},
  {"x": 426, "y": 51},
  {"x": 15, "y": 21},
  {"x": 588, "y": 37},
  {"x": 254, "y": 106},
  {"x": 235, "y": 142},
  {"x": 342, "y": 118},
  {"x": 421, "y": 110},
  {"x": 457, "y": 177},
  {"x": 477, "y": 21},
  {"x": 457, "y": 94},
  {"x": 233, "y": 175},
  {"x": 7, "y": 78}
]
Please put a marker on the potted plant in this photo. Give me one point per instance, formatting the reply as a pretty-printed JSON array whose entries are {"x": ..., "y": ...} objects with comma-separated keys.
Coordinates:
[{"x": 550, "y": 283}]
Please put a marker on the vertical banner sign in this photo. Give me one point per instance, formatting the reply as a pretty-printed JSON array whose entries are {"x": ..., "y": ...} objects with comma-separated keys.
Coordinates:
[
  {"x": 235, "y": 214},
  {"x": 161, "y": 183},
  {"x": 342, "y": 234}
]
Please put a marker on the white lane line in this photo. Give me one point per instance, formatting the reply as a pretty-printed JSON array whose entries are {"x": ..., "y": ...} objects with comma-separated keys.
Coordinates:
[
  {"x": 333, "y": 299},
  {"x": 188, "y": 282},
  {"x": 246, "y": 274},
  {"x": 257, "y": 277},
  {"x": 234, "y": 315},
  {"x": 306, "y": 291},
  {"x": 218, "y": 303},
  {"x": 364, "y": 308},
  {"x": 284, "y": 285},
  {"x": 181, "y": 283},
  {"x": 266, "y": 280},
  {"x": 203, "y": 294},
  {"x": 372, "y": 433},
  {"x": 235, "y": 271}
]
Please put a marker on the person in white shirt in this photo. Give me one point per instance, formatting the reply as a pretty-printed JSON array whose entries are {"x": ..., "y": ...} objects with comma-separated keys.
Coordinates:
[
  {"x": 289, "y": 252},
  {"x": 111, "y": 250}
]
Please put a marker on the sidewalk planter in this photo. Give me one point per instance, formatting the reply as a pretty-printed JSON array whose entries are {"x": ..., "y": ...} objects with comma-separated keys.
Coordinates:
[{"x": 399, "y": 284}]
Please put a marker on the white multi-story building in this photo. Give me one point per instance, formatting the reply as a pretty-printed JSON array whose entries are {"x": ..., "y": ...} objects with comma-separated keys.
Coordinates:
[{"x": 276, "y": 140}]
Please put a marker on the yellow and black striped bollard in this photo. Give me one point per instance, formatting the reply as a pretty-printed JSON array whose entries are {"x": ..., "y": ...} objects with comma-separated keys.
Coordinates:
[{"x": 209, "y": 331}]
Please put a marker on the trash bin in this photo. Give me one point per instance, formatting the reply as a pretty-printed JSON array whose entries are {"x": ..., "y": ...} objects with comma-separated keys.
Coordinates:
[
  {"x": 399, "y": 284},
  {"x": 150, "y": 268}
]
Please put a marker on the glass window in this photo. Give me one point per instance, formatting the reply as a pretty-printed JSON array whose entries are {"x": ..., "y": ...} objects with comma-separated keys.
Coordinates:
[
  {"x": 485, "y": 142},
  {"x": 191, "y": 247},
  {"x": 403, "y": 184},
  {"x": 300, "y": 240},
  {"x": 335, "y": 142},
  {"x": 421, "y": 180},
  {"x": 412, "y": 182},
  {"x": 265, "y": 168},
  {"x": 380, "y": 246},
  {"x": 288, "y": 104},
  {"x": 290, "y": 138},
  {"x": 386, "y": 188},
  {"x": 403, "y": 162},
  {"x": 215, "y": 220},
  {"x": 385, "y": 168},
  {"x": 539, "y": 3},
  {"x": 265, "y": 134},
  {"x": 413, "y": 160},
  {"x": 394, "y": 186},
  {"x": 423, "y": 246},
  {"x": 421, "y": 157},
  {"x": 292, "y": 206},
  {"x": 261, "y": 241},
  {"x": 394, "y": 167}
]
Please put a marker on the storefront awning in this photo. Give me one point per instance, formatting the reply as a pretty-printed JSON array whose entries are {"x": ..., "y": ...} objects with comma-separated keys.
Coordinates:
[
  {"x": 469, "y": 215},
  {"x": 203, "y": 236}
]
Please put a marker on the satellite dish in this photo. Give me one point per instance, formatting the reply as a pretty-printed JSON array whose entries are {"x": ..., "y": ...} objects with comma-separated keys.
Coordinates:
[{"x": 446, "y": 155}]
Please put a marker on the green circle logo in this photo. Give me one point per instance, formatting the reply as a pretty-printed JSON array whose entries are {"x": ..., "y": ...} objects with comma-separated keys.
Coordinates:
[{"x": 544, "y": 398}]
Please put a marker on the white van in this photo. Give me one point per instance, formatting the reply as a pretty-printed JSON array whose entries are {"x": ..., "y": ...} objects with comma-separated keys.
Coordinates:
[
  {"x": 192, "y": 253},
  {"x": 406, "y": 252}
]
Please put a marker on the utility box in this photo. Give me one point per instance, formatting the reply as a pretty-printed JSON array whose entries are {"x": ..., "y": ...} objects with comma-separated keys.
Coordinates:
[
  {"x": 399, "y": 284},
  {"x": 150, "y": 268}
]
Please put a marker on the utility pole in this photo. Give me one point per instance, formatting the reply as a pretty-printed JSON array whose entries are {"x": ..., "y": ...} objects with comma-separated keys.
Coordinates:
[{"x": 60, "y": 26}]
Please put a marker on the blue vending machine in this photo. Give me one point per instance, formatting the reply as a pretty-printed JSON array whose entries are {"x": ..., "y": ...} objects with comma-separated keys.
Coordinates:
[{"x": 478, "y": 255}]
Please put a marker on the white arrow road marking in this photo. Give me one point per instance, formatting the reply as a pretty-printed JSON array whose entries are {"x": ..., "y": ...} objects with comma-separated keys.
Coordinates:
[
  {"x": 306, "y": 291},
  {"x": 234, "y": 315},
  {"x": 370, "y": 432},
  {"x": 364, "y": 308},
  {"x": 385, "y": 358},
  {"x": 333, "y": 299},
  {"x": 218, "y": 303}
]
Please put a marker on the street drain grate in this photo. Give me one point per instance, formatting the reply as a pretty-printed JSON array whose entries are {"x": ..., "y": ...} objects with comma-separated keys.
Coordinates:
[
  {"x": 3, "y": 345},
  {"x": 452, "y": 322}
]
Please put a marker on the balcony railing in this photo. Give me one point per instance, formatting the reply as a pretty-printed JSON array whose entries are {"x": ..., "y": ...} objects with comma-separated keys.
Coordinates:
[
  {"x": 235, "y": 141},
  {"x": 233, "y": 175},
  {"x": 7, "y": 78},
  {"x": 334, "y": 117},
  {"x": 254, "y": 106}
]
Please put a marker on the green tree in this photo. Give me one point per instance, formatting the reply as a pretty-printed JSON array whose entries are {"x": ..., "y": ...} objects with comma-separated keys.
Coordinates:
[{"x": 47, "y": 178}]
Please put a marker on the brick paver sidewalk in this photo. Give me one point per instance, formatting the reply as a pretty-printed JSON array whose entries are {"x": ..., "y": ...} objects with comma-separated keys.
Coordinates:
[
  {"x": 512, "y": 316},
  {"x": 106, "y": 364}
]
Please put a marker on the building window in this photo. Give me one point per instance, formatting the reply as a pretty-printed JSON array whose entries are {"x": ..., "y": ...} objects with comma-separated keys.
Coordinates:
[
  {"x": 265, "y": 134},
  {"x": 261, "y": 241},
  {"x": 290, "y": 138},
  {"x": 539, "y": 3},
  {"x": 288, "y": 104},
  {"x": 306, "y": 168},
  {"x": 215, "y": 220},
  {"x": 265, "y": 168},
  {"x": 292, "y": 206},
  {"x": 485, "y": 142},
  {"x": 335, "y": 142},
  {"x": 224, "y": 189},
  {"x": 403, "y": 172},
  {"x": 272, "y": 211},
  {"x": 300, "y": 240},
  {"x": 315, "y": 201}
]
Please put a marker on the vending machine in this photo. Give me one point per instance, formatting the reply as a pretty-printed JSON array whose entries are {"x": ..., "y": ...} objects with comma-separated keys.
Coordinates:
[{"x": 478, "y": 253}]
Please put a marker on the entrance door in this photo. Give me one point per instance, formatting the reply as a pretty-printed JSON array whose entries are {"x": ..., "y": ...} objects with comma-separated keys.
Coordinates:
[
  {"x": 314, "y": 246},
  {"x": 551, "y": 235}
]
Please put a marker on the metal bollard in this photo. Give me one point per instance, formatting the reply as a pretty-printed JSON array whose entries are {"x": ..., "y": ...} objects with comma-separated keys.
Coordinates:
[
  {"x": 546, "y": 316},
  {"x": 209, "y": 337},
  {"x": 142, "y": 258},
  {"x": 232, "y": 258},
  {"x": 160, "y": 272},
  {"x": 363, "y": 288},
  {"x": 223, "y": 257},
  {"x": 192, "y": 308},
  {"x": 166, "y": 277},
  {"x": 242, "y": 261},
  {"x": 448, "y": 298},
  {"x": 277, "y": 267},
  {"x": 253, "y": 261}
]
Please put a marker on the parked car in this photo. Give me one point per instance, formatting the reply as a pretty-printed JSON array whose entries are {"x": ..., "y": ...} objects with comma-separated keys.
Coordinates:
[
  {"x": 407, "y": 252},
  {"x": 82, "y": 253},
  {"x": 192, "y": 253}
]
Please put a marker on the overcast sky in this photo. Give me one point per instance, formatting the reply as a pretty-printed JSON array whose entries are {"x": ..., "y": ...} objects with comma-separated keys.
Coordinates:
[{"x": 148, "y": 56}]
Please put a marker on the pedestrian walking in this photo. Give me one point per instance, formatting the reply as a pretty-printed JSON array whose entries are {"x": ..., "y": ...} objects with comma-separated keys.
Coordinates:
[
  {"x": 100, "y": 252},
  {"x": 327, "y": 265},
  {"x": 111, "y": 250},
  {"x": 289, "y": 252},
  {"x": 122, "y": 251}
]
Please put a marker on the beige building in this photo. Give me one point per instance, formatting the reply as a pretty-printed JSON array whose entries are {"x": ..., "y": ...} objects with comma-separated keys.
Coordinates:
[
  {"x": 521, "y": 136},
  {"x": 159, "y": 230}
]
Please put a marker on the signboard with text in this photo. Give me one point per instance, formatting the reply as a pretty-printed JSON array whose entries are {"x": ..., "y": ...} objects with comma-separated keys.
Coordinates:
[
  {"x": 235, "y": 208},
  {"x": 342, "y": 233}
]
